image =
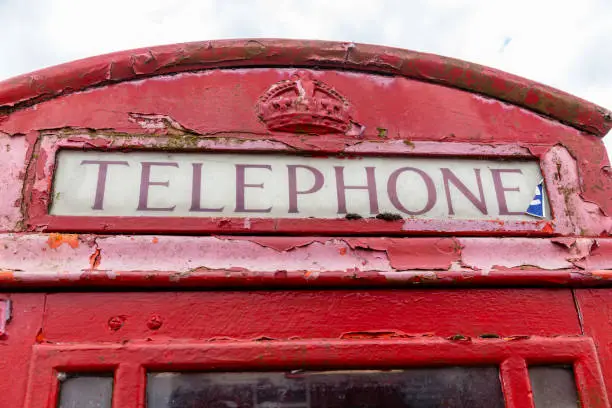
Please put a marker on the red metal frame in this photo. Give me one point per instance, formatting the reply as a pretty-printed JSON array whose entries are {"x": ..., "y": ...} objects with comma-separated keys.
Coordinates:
[
  {"x": 130, "y": 362},
  {"x": 228, "y": 279}
]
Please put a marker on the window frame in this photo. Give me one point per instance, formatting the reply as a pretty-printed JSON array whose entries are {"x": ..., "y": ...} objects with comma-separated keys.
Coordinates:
[{"x": 131, "y": 361}]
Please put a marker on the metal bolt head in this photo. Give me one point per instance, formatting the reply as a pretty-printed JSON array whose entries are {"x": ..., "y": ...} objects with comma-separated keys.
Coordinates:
[
  {"x": 115, "y": 323},
  {"x": 155, "y": 322}
]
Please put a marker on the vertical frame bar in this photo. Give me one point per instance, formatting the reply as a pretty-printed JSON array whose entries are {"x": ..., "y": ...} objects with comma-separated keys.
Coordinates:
[
  {"x": 130, "y": 386},
  {"x": 43, "y": 388},
  {"x": 515, "y": 383},
  {"x": 589, "y": 381}
]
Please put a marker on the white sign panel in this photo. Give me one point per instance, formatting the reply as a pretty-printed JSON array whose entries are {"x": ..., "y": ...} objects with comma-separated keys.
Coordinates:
[{"x": 285, "y": 186}]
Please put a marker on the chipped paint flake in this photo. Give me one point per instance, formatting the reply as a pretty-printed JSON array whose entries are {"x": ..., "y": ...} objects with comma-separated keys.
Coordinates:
[
  {"x": 485, "y": 254},
  {"x": 55, "y": 240},
  {"x": 574, "y": 215}
]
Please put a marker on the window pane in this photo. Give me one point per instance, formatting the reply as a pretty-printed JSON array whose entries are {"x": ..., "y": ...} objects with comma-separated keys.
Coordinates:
[
  {"x": 553, "y": 386},
  {"x": 85, "y": 391},
  {"x": 451, "y": 387}
]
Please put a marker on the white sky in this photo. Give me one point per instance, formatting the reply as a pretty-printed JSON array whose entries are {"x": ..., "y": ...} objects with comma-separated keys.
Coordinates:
[{"x": 562, "y": 43}]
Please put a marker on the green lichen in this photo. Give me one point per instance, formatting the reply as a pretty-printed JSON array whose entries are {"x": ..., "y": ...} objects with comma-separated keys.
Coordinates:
[
  {"x": 382, "y": 132},
  {"x": 409, "y": 143},
  {"x": 178, "y": 142}
]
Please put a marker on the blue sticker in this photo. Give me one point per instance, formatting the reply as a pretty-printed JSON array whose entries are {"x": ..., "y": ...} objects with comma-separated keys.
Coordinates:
[{"x": 536, "y": 206}]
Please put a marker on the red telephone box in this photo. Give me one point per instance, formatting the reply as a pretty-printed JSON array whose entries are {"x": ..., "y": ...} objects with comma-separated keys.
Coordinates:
[{"x": 274, "y": 223}]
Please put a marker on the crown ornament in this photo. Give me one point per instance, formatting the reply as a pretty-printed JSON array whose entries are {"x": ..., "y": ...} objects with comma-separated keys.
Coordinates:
[{"x": 304, "y": 105}]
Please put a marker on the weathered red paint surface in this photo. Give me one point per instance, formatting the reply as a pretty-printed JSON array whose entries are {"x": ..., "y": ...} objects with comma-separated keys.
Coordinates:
[
  {"x": 16, "y": 345},
  {"x": 511, "y": 354},
  {"x": 208, "y": 97},
  {"x": 444, "y": 120},
  {"x": 308, "y": 329},
  {"x": 329, "y": 314},
  {"x": 305, "y": 329},
  {"x": 594, "y": 310},
  {"x": 142, "y": 63},
  {"x": 407, "y": 116},
  {"x": 92, "y": 260}
]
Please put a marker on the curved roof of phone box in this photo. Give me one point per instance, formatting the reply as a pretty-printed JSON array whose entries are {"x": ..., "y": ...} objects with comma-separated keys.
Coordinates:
[{"x": 29, "y": 89}]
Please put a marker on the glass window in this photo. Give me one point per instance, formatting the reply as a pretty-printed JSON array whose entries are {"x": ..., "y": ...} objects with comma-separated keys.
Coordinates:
[
  {"x": 85, "y": 390},
  {"x": 451, "y": 387},
  {"x": 553, "y": 387}
]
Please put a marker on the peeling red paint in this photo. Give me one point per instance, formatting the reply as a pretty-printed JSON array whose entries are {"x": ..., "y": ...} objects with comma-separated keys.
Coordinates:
[
  {"x": 421, "y": 254},
  {"x": 204, "y": 97},
  {"x": 375, "y": 334},
  {"x": 475, "y": 124},
  {"x": 129, "y": 65},
  {"x": 282, "y": 244},
  {"x": 40, "y": 194},
  {"x": 228, "y": 261},
  {"x": 95, "y": 259},
  {"x": 564, "y": 186},
  {"x": 41, "y": 162},
  {"x": 7, "y": 276},
  {"x": 548, "y": 229}
]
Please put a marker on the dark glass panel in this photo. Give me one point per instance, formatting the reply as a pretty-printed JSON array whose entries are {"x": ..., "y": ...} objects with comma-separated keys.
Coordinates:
[
  {"x": 553, "y": 387},
  {"x": 450, "y": 387},
  {"x": 85, "y": 390}
]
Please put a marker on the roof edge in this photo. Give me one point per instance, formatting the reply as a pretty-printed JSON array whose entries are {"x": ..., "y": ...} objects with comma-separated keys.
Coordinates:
[{"x": 37, "y": 86}]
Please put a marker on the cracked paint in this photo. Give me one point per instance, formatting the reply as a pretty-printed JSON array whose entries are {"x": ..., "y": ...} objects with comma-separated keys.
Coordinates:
[
  {"x": 436, "y": 254},
  {"x": 445, "y": 121},
  {"x": 171, "y": 99},
  {"x": 542, "y": 254},
  {"x": 13, "y": 153},
  {"x": 581, "y": 217},
  {"x": 87, "y": 259},
  {"x": 135, "y": 64},
  {"x": 203, "y": 97},
  {"x": 152, "y": 123},
  {"x": 440, "y": 113}
]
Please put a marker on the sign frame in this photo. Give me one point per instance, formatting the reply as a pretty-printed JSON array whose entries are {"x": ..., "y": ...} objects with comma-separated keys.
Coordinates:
[{"x": 40, "y": 198}]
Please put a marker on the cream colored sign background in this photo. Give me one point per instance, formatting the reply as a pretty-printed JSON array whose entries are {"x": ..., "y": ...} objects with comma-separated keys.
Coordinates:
[{"x": 76, "y": 184}]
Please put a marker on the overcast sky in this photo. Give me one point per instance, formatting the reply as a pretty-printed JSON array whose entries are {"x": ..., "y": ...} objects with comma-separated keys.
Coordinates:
[{"x": 562, "y": 43}]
